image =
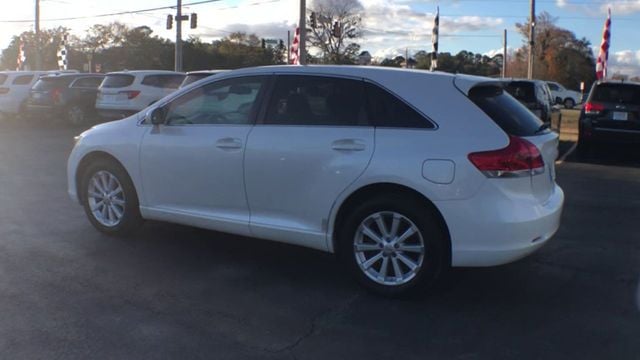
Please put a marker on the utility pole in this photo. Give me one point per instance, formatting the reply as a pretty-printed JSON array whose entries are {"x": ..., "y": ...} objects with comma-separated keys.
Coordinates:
[
  {"x": 37, "y": 28},
  {"x": 178, "y": 50},
  {"x": 288, "y": 47},
  {"x": 532, "y": 35},
  {"x": 302, "y": 45},
  {"x": 504, "y": 54}
]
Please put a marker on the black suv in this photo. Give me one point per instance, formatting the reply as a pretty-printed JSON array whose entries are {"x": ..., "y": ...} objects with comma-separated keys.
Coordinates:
[
  {"x": 536, "y": 96},
  {"x": 611, "y": 114},
  {"x": 70, "y": 96}
]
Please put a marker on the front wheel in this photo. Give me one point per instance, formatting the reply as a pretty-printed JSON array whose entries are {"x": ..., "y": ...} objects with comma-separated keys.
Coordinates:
[
  {"x": 393, "y": 246},
  {"x": 109, "y": 198}
]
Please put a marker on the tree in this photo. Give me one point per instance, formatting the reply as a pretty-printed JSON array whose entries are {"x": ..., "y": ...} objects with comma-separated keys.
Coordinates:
[
  {"x": 50, "y": 40},
  {"x": 338, "y": 24}
]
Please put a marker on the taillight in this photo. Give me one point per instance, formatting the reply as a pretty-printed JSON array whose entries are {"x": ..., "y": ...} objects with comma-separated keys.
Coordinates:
[
  {"x": 592, "y": 108},
  {"x": 130, "y": 93},
  {"x": 4, "y": 90},
  {"x": 55, "y": 95},
  {"x": 519, "y": 158}
]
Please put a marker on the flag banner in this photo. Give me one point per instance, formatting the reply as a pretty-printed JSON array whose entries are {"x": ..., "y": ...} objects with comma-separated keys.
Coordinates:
[
  {"x": 434, "y": 39},
  {"x": 62, "y": 53},
  {"x": 603, "y": 55},
  {"x": 294, "y": 59}
]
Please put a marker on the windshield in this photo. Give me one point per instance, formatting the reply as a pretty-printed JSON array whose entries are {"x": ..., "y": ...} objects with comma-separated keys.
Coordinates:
[{"x": 628, "y": 94}]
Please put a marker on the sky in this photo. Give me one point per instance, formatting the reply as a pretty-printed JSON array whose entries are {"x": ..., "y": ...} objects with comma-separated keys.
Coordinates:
[{"x": 391, "y": 27}]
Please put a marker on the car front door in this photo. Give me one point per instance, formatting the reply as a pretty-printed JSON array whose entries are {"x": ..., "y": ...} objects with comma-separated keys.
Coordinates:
[
  {"x": 192, "y": 166},
  {"x": 312, "y": 143}
]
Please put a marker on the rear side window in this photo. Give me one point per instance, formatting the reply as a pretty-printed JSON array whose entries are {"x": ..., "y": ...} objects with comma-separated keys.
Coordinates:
[
  {"x": 617, "y": 93},
  {"x": 117, "y": 81},
  {"x": 163, "y": 81},
  {"x": 23, "y": 80},
  {"x": 317, "y": 100},
  {"x": 88, "y": 82},
  {"x": 521, "y": 90},
  {"x": 509, "y": 114},
  {"x": 3, "y": 78},
  {"x": 386, "y": 110}
]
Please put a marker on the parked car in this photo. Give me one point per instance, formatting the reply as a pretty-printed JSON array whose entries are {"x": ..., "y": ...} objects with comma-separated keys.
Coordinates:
[
  {"x": 562, "y": 95},
  {"x": 193, "y": 76},
  {"x": 125, "y": 93},
  {"x": 536, "y": 96},
  {"x": 610, "y": 114},
  {"x": 15, "y": 86},
  {"x": 402, "y": 173},
  {"x": 70, "y": 96}
]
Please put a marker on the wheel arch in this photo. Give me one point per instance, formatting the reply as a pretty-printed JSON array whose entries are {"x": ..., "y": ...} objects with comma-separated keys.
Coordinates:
[
  {"x": 90, "y": 158},
  {"x": 377, "y": 189}
]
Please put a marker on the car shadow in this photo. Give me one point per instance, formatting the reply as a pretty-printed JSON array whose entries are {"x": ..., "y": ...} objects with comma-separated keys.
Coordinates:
[{"x": 627, "y": 155}]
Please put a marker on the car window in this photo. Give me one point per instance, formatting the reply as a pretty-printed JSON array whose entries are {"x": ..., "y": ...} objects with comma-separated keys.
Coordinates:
[
  {"x": 386, "y": 110},
  {"x": 22, "y": 80},
  {"x": 3, "y": 78},
  {"x": 521, "y": 90},
  {"x": 509, "y": 114},
  {"x": 117, "y": 81},
  {"x": 165, "y": 81},
  {"x": 316, "y": 100},
  {"x": 617, "y": 93},
  {"x": 88, "y": 82},
  {"x": 191, "y": 78},
  {"x": 553, "y": 86},
  {"x": 223, "y": 102}
]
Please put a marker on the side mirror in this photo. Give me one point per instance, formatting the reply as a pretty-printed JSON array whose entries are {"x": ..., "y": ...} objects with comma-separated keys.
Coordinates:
[{"x": 157, "y": 116}]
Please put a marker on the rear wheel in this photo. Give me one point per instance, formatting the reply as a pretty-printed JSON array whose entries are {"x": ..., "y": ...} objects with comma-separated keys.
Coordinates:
[
  {"x": 569, "y": 103},
  {"x": 76, "y": 115},
  {"x": 109, "y": 198},
  {"x": 393, "y": 245}
]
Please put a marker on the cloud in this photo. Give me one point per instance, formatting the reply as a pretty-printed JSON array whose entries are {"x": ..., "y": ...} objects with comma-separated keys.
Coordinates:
[
  {"x": 622, "y": 7},
  {"x": 626, "y": 62}
]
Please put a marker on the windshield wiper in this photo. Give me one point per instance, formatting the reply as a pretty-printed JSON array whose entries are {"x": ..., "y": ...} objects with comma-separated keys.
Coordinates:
[{"x": 542, "y": 128}]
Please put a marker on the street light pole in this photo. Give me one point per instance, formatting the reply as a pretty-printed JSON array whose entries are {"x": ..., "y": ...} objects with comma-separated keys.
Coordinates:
[
  {"x": 37, "y": 28},
  {"x": 504, "y": 54},
  {"x": 302, "y": 45},
  {"x": 178, "y": 50},
  {"x": 532, "y": 36}
]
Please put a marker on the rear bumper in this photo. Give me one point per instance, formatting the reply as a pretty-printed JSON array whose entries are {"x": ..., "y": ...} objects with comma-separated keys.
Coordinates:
[{"x": 494, "y": 228}]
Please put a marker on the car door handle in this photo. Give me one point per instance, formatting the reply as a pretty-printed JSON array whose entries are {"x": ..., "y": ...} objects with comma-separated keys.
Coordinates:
[
  {"x": 229, "y": 144},
  {"x": 348, "y": 145}
]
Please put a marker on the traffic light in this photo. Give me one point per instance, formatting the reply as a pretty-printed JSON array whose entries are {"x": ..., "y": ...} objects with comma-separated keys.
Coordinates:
[
  {"x": 169, "y": 22},
  {"x": 194, "y": 20},
  {"x": 314, "y": 21},
  {"x": 337, "y": 29}
]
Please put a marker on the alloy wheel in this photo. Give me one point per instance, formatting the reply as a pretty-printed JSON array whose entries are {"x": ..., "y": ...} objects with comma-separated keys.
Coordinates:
[{"x": 106, "y": 198}]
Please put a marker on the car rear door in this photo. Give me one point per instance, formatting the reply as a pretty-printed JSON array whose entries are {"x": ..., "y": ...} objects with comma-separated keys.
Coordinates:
[{"x": 313, "y": 141}]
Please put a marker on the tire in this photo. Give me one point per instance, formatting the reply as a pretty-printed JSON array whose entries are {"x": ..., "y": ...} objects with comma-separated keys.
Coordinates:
[
  {"x": 117, "y": 214},
  {"x": 427, "y": 249},
  {"x": 569, "y": 103},
  {"x": 76, "y": 115}
]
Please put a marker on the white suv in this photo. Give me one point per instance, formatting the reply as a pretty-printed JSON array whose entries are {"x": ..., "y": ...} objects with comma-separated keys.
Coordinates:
[
  {"x": 15, "y": 86},
  {"x": 562, "y": 95},
  {"x": 125, "y": 93},
  {"x": 401, "y": 173}
]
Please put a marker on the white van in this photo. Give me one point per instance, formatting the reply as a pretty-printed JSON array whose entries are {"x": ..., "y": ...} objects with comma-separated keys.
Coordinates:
[{"x": 15, "y": 86}]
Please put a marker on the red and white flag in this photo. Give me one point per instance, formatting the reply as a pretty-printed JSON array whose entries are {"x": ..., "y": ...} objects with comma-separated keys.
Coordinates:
[
  {"x": 21, "y": 57},
  {"x": 603, "y": 55},
  {"x": 294, "y": 59}
]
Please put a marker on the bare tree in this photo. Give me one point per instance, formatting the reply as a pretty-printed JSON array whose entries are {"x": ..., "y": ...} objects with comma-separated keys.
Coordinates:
[{"x": 337, "y": 24}]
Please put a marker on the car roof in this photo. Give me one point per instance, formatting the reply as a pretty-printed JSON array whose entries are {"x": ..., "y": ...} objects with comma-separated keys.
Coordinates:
[
  {"x": 59, "y": 76},
  {"x": 144, "y": 72},
  {"x": 612, "y": 81},
  {"x": 207, "y": 71}
]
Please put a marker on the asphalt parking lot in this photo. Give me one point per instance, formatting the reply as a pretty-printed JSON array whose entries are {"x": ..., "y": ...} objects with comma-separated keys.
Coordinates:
[{"x": 68, "y": 292}]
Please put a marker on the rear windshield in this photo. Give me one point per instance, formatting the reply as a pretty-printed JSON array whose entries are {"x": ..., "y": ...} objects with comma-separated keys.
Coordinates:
[
  {"x": 163, "y": 81},
  {"x": 617, "y": 93},
  {"x": 509, "y": 114},
  {"x": 521, "y": 90},
  {"x": 49, "y": 83},
  {"x": 117, "y": 81},
  {"x": 194, "y": 77},
  {"x": 3, "y": 78}
]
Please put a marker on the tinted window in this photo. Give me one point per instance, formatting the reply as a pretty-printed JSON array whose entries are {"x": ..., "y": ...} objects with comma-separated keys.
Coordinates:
[
  {"x": 3, "y": 78},
  {"x": 386, "y": 110},
  {"x": 88, "y": 82},
  {"x": 521, "y": 90},
  {"x": 316, "y": 100},
  {"x": 222, "y": 102},
  {"x": 191, "y": 78},
  {"x": 510, "y": 115},
  {"x": 47, "y": 83},
  {"x": 117, "y": 81},
  {"x": 617, "y": 93},
  {"x": 23, "y": 80},
  {"x": 163, "y": 81}
]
